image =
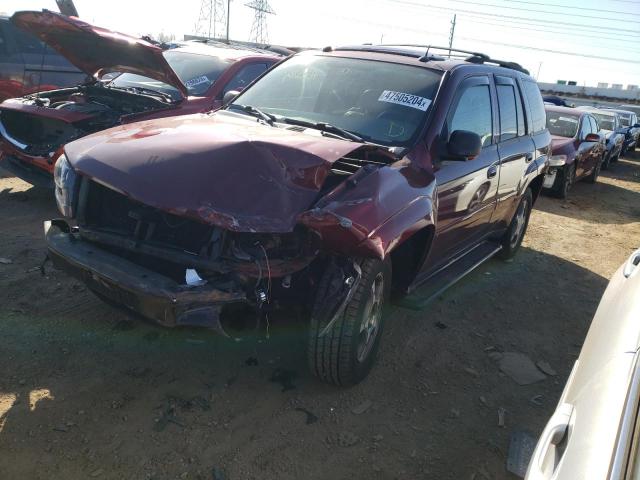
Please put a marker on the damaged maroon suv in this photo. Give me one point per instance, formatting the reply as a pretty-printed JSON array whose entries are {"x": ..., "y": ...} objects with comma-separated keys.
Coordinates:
[{"x": 337, "y": 178}]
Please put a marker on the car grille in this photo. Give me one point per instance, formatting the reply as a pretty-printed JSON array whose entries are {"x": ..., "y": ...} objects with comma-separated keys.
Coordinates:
[{"x": 113, "y": 212}]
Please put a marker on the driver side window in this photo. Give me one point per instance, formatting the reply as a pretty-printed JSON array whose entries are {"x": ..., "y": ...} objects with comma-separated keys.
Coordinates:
[{"x": 473, "y": 113}]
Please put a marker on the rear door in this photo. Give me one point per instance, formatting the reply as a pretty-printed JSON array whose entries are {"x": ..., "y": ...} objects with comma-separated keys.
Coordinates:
[
  {"x": 515, "y": 147},
  {"x": 467, "y": 189},
  {"x": 584, "y": 151}
]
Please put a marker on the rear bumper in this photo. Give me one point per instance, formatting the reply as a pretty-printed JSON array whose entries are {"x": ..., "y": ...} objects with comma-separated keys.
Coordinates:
[{"x": 152, "y": 295}]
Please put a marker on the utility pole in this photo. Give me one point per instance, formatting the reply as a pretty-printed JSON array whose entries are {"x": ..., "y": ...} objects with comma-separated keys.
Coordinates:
[
  {"x": 228, "y": 19},
  {"x": 451, "y": 32},
  {"x": 259, "y": 33}
]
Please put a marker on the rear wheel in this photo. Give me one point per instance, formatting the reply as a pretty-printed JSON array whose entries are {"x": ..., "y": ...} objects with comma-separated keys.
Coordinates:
[
  {"x": 512, "y": 238},
  {"x": 345, "y": 354},
  {"x": 606, "y": 162}
]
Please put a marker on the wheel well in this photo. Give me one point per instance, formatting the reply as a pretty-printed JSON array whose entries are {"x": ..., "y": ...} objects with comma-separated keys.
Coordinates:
[
  {"x": 536, "y": 187},
  {"x": 407, "y": 258}
]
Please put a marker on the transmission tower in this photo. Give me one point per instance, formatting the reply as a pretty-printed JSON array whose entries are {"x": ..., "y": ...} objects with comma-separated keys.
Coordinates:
[
  {"x": 212, "y": 21},
  {"x": 259, "y": 33}
]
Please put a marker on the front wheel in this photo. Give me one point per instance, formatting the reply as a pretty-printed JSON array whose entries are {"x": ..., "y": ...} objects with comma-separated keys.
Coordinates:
[
  {"x": 566, "y": 180},
  {"x": 512, "y": 238},
  {"x": 345, "y": 353},
  {"x": 593, "y": 177}
]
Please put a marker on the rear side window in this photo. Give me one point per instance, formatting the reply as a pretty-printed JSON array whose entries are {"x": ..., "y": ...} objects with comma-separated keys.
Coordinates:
[
  {"x": 537, "y": 119},
  {"x": 508, "y": 112},
  {"x": 473, "y": 113},
  {"x": 245, "y": 76}
]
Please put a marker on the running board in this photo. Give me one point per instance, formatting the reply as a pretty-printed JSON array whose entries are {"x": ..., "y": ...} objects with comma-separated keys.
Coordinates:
[{"x": 441, "y": 280}]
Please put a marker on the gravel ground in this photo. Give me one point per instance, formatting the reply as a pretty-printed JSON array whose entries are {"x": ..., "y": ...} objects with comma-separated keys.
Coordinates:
[{"x": 85, "y": 392}]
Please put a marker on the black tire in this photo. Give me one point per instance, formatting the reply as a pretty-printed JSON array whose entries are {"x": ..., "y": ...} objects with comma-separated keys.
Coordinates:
[
  {"x": 565, "y": 181},
  {"x": 593, "y": 176},
  {"x": 512, "y": 238},
  {"x": 606, "y": 162},
  {"x": 337, "y": 357}
]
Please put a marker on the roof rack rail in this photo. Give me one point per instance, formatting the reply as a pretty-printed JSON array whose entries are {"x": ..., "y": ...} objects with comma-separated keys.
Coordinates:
[{"x": 474, "y": 57}]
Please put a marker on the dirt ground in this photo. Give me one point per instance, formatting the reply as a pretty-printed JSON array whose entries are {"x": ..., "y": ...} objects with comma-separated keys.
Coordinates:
[{"x": 87, "y": 393}]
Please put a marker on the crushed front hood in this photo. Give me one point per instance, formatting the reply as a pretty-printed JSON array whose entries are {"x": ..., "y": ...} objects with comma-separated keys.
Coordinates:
[
  {"x": 96, "y": 50},
  {"x": 223, "y": 169}
]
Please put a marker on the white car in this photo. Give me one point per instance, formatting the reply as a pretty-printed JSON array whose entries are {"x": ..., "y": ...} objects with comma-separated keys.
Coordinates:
[{"x": 594, "y": 432}]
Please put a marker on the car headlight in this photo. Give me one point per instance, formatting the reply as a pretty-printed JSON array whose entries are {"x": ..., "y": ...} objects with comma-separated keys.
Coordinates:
[
  {"x": 557, "y": 160},
  {"x": 66, "y": 186}
]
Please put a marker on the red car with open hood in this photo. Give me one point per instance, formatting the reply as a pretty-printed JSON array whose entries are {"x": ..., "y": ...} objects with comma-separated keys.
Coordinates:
[{"x": 153, "y": 81}]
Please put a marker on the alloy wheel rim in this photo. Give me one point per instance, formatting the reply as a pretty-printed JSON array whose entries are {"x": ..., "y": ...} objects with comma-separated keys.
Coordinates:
[
  {"x": 520, "y": 222},
  {"x": 370, "y": 324}
]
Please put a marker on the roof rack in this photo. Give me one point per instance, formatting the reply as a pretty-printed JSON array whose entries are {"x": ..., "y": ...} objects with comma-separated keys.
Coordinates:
[{"x": 474, "y": 57}]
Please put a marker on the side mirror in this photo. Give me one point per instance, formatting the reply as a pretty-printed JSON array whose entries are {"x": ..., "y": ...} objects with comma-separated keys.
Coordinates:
[
  {"x": 592, "y": 137},
  {"x": 464, "y": 145},
  {"x": 230, "y": 96}
]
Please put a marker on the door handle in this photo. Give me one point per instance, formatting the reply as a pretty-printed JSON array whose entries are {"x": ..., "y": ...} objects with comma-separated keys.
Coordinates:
[
  {"x": 543, "y": 466},
  {"x": 528, "y": 157},
  {"x": 492, "y": 171}
]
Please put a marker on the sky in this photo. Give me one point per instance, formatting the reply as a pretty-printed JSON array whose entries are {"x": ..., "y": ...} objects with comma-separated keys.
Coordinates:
[{"x": 588, "y": 41}]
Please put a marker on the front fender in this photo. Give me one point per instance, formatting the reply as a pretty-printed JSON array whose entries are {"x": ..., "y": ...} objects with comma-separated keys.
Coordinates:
[{"x": 373, "y": 211}]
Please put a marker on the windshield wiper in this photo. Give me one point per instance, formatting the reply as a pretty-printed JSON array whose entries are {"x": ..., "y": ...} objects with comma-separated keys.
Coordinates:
[
  {"x": 255, "y": 112},
  {"x": 325, "y": 127}
]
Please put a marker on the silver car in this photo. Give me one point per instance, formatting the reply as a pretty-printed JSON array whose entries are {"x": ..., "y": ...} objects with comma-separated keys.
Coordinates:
[{"x": 594, "y": 432}]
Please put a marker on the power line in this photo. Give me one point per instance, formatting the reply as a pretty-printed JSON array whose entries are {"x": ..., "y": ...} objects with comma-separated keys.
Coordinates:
[
  {"x": 511, "y": 17},
  {"x": 560, "y": 52},
  {"x": 555, "y": 5},
  {"x": 619, "y": 37},
  {"x": 556, "y": 32},
  {"x": 520, "y": 9}
]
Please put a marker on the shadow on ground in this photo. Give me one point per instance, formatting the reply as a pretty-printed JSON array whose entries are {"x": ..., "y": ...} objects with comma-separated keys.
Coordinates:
[{"x": 132, "y": 400}]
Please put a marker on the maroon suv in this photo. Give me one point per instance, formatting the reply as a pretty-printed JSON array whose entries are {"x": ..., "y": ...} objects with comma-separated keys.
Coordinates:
[
  {"x": 154, "y": 82},
  {"x": 577, "y": 149},
  {"x": 336, "y": 178}
]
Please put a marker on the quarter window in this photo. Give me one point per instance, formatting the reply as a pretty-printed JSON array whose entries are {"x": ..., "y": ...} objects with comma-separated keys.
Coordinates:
[
  {"x": 537, "y": 120},
  {"x": 508, "y": 112},
  {"x": 473, "y": 113}
]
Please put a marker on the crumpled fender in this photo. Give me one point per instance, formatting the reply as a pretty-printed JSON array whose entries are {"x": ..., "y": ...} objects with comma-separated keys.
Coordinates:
[{"x": 375, "y": 210}]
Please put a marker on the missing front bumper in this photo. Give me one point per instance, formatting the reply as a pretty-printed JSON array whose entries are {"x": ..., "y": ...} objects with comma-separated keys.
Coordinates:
[{"x": 152, "y": 295}]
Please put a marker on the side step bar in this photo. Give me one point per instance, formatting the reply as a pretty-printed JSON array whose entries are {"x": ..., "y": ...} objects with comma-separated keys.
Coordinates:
[{"x": 441, "y": 280}]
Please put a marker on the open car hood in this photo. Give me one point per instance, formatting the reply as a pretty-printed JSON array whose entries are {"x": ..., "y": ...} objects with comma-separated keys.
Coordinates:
[
  {"x": 96, "y": 50},
  {"x": 221, "y": 169}
]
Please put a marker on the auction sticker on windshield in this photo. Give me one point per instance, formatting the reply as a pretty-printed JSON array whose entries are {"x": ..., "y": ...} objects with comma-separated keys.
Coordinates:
[
  {"x": 406, "y": 99},
  {"x": 197, "y": 81}
]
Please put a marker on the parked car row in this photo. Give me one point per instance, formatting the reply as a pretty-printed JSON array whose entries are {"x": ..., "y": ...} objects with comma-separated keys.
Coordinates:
[{"x": 585, "y": 140}]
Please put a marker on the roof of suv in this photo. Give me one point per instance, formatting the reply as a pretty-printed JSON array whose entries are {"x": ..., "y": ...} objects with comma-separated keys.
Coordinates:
[
  {"x": 566, "y": 110},
  {"x": 440, "y": 58}
]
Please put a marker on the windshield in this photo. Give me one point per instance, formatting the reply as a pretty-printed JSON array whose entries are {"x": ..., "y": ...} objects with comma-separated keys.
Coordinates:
[
  {"x": 625, "y": 119},
  {"x": 605, "y": 122},
  {"x": 562, "y": 125},
  {"x": 197, "y": 72},
  {"x": 381, "y": 102}
]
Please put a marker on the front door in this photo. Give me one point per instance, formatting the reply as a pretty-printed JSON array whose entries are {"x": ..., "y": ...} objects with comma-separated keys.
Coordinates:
[{"x": 466, "y": 189}]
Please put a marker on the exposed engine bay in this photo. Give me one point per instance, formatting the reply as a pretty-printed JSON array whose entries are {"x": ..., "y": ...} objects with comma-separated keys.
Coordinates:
[{"x": 69, "y": 113}]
